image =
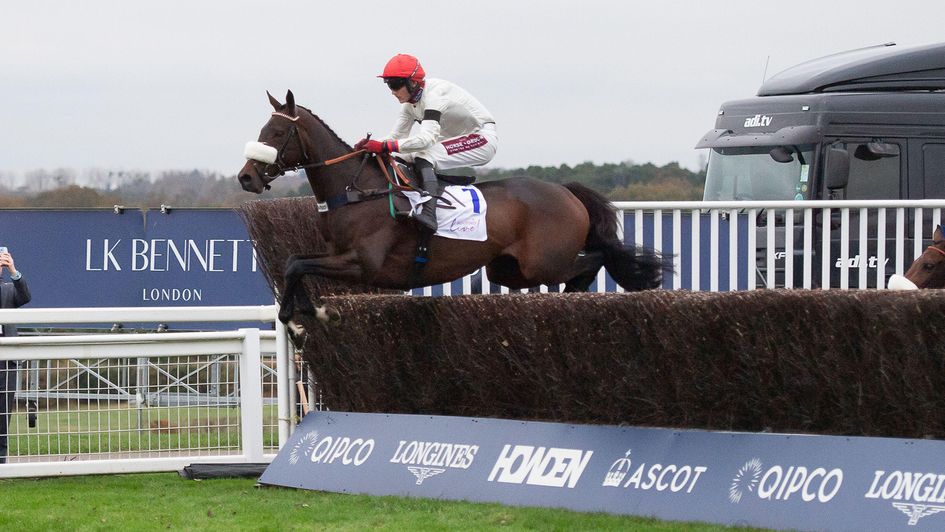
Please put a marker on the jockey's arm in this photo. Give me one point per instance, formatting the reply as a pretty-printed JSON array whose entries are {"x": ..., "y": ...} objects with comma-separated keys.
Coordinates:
[
  {"x": 401, "y": 129},
  {"x": 427, "y": 135}
]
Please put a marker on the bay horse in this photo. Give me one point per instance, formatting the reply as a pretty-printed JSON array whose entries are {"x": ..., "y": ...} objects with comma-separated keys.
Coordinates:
[
  {"x": 537, "y": 232},
  {"x": 927, "y": 270}
]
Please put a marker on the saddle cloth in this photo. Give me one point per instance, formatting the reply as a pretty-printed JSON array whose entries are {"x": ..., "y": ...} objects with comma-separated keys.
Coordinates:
[{"x": 465, "y": 221}]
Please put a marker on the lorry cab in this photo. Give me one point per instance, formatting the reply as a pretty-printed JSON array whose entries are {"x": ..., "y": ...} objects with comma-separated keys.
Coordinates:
[{"x": 864, "y": 124}]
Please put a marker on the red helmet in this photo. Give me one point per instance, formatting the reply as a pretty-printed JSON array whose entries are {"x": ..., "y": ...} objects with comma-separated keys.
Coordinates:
[{"x": 404, "y": 66}]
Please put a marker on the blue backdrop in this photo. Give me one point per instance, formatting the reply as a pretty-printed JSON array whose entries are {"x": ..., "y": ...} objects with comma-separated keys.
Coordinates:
[
  {"x": 96, "y": 258},
  {"x": 781, "y": 481}
]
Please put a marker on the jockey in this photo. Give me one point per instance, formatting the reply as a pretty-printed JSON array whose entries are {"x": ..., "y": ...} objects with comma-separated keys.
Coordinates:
[{"x": 455, "y": 129}]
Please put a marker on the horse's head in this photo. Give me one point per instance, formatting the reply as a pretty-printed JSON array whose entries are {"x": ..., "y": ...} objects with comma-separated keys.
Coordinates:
[
  {"x": 928, "y": 270},
  {"x": 279, "y": 149}
]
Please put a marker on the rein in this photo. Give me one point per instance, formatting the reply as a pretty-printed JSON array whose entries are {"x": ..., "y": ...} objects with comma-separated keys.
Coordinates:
[
  {"x": 397, "y": 181},
  {"x": 294, "y": 132},
  {"x": 282, "y": 167}
]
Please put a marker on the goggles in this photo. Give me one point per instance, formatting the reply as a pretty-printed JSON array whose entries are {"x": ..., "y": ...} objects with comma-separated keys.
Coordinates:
[{"x": 395, "y": 84}]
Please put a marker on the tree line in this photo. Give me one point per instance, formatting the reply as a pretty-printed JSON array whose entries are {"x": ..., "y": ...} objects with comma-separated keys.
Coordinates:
[{"x": 63, "y": 188}]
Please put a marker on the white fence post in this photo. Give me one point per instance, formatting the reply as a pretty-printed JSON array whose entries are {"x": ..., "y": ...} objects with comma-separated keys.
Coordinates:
[
  {"x": 251, "y": 400},
  {"x": 284, "y": 409}
]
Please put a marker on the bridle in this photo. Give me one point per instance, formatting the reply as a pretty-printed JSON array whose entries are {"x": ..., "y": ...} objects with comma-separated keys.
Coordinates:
[
  {"x": 936, "y": 249},
  {"x": 280, "y": 166}
]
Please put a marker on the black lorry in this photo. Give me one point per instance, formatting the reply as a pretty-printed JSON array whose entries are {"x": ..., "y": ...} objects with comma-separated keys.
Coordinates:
[{"x": 862, "y": 124}]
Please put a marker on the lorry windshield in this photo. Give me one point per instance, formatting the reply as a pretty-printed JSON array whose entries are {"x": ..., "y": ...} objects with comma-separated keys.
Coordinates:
[{"x": 753, "y": 174}]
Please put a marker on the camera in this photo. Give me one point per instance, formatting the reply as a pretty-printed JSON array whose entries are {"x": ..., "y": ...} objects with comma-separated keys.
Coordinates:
[{"x": 3, "y": 249}]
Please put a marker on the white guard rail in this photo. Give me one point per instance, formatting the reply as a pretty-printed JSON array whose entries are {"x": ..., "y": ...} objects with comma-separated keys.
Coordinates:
[
  {"x": 116, "y": 444},
  {"x": 877, "y": 221},
  {"x": 710, "y": 253}
]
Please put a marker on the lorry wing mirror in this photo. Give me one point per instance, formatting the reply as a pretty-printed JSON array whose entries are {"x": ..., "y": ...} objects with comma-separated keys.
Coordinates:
[
  {"x": 837, "y": 168},
  {"x": 781, "y": 154},
  {"x": 873, "y": 151}
]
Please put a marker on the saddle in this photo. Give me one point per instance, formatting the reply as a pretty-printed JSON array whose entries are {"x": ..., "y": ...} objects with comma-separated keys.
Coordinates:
[
  {"x": 401, "y": 206},
  {"x": 462, "y": 176}
]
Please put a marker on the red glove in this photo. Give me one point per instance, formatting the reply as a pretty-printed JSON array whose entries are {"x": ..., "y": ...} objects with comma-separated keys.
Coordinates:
[
  {"x": 360, "y": 144},
  {"x": 381, "y": 146}
]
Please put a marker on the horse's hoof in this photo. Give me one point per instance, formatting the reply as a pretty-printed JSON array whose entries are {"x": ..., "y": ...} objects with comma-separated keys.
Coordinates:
[
  {"x": 327, "y": 314},
  {"x": 297, "y": 330}
]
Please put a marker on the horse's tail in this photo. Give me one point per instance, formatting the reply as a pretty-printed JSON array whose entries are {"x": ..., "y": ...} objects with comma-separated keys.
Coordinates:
[{"x": 632, "y": 268}]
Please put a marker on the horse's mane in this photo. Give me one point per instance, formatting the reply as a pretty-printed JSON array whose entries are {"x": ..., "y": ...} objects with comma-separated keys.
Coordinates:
[{"x": 330, "y": 130}]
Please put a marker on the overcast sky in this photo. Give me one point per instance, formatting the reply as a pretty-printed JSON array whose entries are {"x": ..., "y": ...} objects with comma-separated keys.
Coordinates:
[{"x": 154, "y": 85}]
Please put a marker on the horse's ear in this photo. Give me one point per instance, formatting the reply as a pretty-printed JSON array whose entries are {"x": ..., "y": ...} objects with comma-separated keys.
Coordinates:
[
  {"x": 290, "y": 103},
  {"x": 274, "y": 102},
  {"x": 937, "y": 236}
]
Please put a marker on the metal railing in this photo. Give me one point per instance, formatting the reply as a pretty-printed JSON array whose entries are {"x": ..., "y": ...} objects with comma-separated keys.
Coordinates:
[
  {"x": 102, "y": 403},
  {"x": 744, "y": 245}
]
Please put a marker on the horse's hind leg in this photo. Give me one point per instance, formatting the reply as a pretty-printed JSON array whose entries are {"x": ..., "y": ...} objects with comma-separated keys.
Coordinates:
[{"x": 586, "y": 267}]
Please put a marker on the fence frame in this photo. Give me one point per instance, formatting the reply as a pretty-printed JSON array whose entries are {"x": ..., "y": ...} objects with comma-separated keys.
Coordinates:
[
  {"x": 899, "y": 208},
  {"x": 248, "y": 342}
]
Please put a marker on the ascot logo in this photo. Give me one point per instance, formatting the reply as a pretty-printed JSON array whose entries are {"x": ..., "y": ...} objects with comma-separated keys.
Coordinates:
[
  {"x": 657, "y": 476},
  {"x": 432, "y": 458},
  {"x": 618, "y": 470},
  {"x": 920, "y": 488}
]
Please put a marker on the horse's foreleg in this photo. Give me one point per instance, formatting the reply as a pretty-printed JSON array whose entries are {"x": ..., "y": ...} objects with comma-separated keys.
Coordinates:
[
  {"x": 293, "y": 297},
  {"x": 343, "y": 267}
]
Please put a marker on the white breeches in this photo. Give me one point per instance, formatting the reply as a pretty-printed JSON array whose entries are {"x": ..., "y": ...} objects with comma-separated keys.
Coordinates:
[{"x": 475, "y": 149}]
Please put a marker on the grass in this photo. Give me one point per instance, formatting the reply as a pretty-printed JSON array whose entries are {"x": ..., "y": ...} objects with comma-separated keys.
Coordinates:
[
  {"x": 86, "y": 429},
  {"x": 166, "y": 501}
]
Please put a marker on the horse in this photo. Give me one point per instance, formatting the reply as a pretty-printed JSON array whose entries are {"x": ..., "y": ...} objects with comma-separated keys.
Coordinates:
[
  {"x": 537, "y": 232},
  {"x": 927, "y": 270}
]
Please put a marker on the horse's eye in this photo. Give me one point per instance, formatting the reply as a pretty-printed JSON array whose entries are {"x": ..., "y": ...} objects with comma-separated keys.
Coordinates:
[
  {"x": 928, "y": 266},
  {"x": 278, "y": 134}
]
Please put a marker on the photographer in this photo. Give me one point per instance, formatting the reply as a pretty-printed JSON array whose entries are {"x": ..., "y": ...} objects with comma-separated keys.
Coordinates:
[{"x": 12, "y": 295}]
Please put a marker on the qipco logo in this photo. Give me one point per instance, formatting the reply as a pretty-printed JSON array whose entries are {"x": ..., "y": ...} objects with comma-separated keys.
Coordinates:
[
  {"x": 820, "y": 485},
  {"x": 779, "y": 484},
  {"x": 344, "y": 450}
]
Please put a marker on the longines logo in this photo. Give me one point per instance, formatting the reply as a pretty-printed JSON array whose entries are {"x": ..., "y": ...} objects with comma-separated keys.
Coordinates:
[
  {"x": 427, "y": 459},
  {"x": 920, "y": 488},
  {"x": 423, "y": 473},
  {"x": 329, "y": 449},
  {"x": 779, "y": 484},
  {"x": 657, "y": 476}
]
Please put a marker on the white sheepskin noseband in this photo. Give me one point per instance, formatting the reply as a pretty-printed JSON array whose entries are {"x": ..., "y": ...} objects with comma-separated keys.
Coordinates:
[
  {"x": 898, "y": 282},
  {"x": 257, "y": 151}
]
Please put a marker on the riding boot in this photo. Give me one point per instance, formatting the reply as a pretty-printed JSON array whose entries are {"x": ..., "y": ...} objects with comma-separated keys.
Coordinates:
[{"x": 427, "y": 216}]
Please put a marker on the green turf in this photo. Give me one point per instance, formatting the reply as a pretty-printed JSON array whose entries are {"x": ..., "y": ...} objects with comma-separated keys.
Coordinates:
[
  {"x": 84, "y": 429},
  {"x": 166, "y": 501}
]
